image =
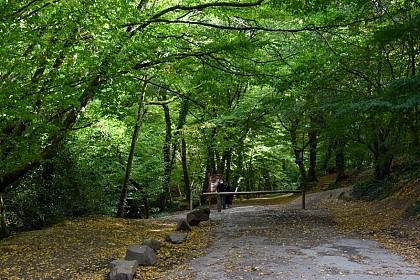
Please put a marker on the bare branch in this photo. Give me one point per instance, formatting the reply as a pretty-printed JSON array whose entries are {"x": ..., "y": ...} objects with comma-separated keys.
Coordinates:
[
  {"x": 247, "y": 28},
  {"x": 207, "y": 5},
  {"x": 25, "y": 6},
  {"x": 82, "y": 127},
  {"x": 170, "y": 58},
  {"x": 191, "y": 8},
  {"x": 164, "y": 102},
  {"x": 30, "y": 13},
  {"x": 178, "y": 94}
]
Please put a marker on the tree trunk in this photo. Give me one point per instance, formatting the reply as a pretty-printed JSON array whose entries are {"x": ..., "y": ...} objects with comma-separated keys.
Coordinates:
[
  {"x": 340, "y": 162},
  {"x": 237, "y": 180},
  {"x": 166, "y": 159},
  {"x": 312, "y": 135},
  {"x": 187, "y": 183},
  {"x": 383, "y": 157},
  {"x": 298, "y": 152},
  {"x": 182, "y": 119},
  {"x": 206, "y": 182},
  {"x": 222, "y": 163},
  {"x": 228, "y": 166},
  {"x": 327, "y": 157},
  {"x": 250, "y": 174},
  {"x": 210, "y": 165},
  {"x": 4, "y": 232},
  {"x": 124, "y": 190},
  {"x": 223, "y": 167},
  {"x": 414, "y": 128}
]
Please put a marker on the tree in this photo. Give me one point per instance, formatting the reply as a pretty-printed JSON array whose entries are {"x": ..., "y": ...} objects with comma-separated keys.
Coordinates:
[
  {"x": 139, "y": 119},
  {"x": 341, "y": 76},
  {"x": 379, "y": 61},
  {"x": 59, "y": 62}
]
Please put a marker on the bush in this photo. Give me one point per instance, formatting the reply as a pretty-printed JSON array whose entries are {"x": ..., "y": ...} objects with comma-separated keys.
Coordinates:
[
  {"x": 372, "y": 189},
  {"x": 58, "y": 189},
  {"x": 31, "y": 207},
  {"x": 413, "y": 210}
]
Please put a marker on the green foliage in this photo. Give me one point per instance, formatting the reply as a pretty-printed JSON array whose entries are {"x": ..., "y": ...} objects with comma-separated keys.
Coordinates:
[
  {"x": 371, "y": 189},
  {"x": 404, "y": 93},
  {"x": 73, "y": 70},
  {"x": 413, "y": 210},
  {"x": 301, "y": 7},
  {"x": 406, "y": 29},
  {"x": 307, "y": 8},
  {"x": 58, "y": 189}
]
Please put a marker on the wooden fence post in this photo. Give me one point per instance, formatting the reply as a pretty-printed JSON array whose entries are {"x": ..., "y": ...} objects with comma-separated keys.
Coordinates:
[{"x": 303, "y": 199}]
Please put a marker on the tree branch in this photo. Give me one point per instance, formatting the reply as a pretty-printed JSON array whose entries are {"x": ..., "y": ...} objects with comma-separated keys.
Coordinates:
[
  {"x": 170, "y": 58},
  {"x": 207, "y": 5},
  {"x": 30, "y": 13},
  {"x": 245, "y": 28},
  {"x": 178, "y": 94},
  {"x": 82, "y": 127},
  {"x": 25, "y": 6},
  {"x": 191, "y": 8},
  {"x": 163, "y": 102}
]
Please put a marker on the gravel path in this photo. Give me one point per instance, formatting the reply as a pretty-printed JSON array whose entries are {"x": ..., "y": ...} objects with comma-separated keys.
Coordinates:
[{"x": 285, "y": 242}]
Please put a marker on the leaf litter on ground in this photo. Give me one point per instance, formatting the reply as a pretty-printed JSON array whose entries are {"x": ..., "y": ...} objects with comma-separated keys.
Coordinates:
[{"x": 83, "y": 248}]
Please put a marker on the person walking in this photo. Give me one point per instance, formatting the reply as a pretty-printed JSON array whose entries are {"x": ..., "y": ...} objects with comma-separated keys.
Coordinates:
[
  {"x": 221, "y": 187},
  {"x": 229, "y": 197}
]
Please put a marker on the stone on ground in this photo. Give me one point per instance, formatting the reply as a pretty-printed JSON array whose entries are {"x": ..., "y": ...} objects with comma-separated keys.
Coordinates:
[
  {"x": 153, "y": 243},
  {"x": 143, "y": 254},
  {"x": 203, "y": 214},
  {"x": 176, "y": 237},
  {"x": 183, "y": 226},
  {"x": 122, "y": 269},
  {"x": 192, "y": 220}
]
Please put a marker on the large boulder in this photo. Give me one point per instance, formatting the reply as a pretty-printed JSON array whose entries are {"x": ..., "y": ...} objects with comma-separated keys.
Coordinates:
[
  {"x": 192, "y": 220},
  {"x": 176, "y": 237},
  {"x": 122, "y": 269},
  {"x": 203, "y": 214},
  {"x": 143, "y": 254},
  {"x": 183, "y": 226},
  {"x": 153, "y": 243}
]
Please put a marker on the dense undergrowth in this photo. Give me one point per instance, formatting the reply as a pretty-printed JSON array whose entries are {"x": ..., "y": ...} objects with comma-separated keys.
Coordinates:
[{"x": 369, "y": 189}]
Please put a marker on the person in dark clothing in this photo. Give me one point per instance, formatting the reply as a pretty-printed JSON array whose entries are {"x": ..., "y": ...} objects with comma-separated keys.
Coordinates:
[
  {"x": 229, "y": 197},
  {"x": 221, "y": 187}
]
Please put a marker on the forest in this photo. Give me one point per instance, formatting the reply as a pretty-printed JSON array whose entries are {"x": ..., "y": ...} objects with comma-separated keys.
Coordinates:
[{"x": 106, "y": 105}]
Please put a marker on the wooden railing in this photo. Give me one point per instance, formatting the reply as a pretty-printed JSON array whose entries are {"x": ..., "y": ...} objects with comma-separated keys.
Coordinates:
[{"x": 219, "y": 194}]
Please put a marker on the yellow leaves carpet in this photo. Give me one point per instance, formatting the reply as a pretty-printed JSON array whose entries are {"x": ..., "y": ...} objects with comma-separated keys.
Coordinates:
[{"x": 83, "y": 248}]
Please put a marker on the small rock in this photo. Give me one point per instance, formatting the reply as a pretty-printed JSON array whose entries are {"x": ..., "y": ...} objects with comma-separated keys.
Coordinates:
[
  {"x": 176, "y": 238},
  {"x": 143, "y": 254},
  {"x": 203, "y": 214},
  {"x": 192, "y": 220},
  {"x": 153, "y": 243},
  {"x": 122, "y": 269},
  {"x": 183, "y": 226}
]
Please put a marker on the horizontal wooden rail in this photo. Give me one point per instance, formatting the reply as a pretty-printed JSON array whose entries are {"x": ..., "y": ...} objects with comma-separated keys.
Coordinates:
[
  {"x": 219, "y": 194},
  {"x": 251, "y": 192}
]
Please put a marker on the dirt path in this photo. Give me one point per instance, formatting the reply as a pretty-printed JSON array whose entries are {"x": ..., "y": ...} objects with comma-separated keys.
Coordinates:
[{"x": 285, "y": 242}]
